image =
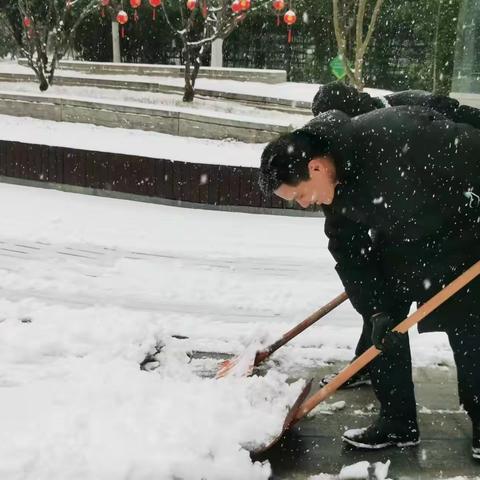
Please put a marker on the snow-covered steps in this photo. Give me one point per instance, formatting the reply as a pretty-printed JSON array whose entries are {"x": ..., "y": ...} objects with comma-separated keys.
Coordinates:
[
  {"x": 65, "y": 78},
  {"x": 173, "y": 120},
  {"x": 239, "y": 74}
]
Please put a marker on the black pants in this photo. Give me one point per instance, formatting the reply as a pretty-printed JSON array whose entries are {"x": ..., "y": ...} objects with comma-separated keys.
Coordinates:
[{"x": 391, "y": 374}]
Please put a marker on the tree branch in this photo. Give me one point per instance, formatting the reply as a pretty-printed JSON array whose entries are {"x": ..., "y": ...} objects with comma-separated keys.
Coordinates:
[
  {"x": 340, "y": 36},
  {"x": 371, "y": 27}
]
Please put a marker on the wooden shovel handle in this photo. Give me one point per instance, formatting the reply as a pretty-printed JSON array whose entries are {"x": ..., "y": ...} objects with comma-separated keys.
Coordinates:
[
  {"x": 314, "y": 317},
  {"x": 373, "y": 352}
]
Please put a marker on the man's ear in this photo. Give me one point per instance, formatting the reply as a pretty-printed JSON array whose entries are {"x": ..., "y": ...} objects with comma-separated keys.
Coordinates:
[{"x": 314, "y": 165}]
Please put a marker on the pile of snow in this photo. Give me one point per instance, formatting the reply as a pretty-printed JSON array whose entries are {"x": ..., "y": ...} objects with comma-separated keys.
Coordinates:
[
  {"x": 365, "y": 470},
  {"x": 358, "y": 471},
  {"x": 74, "y": 403}
]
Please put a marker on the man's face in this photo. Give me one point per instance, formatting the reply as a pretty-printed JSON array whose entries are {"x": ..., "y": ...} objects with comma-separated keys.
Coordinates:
[{"x": 318, "y": 189}]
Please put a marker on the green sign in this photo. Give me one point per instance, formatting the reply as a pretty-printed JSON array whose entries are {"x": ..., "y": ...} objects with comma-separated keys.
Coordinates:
[{"x": 337, "y": 67}]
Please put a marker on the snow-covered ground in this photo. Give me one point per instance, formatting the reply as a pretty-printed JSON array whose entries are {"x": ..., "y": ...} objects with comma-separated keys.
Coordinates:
[
  {"x": 152, "y": 144},
  {"x": 88, "y": 286}
]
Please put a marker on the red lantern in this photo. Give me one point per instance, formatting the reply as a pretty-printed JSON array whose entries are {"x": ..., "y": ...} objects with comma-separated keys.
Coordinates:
[
  {"x": 135, "y": 4},
  {"x": 236, "y": 6},
  {"x": 27, "y": 23},
  {"x": 122, "y": 19},
  {"x": 191, "y": 4},
  {"x": 278, "y": 6},
  {"x": 290, "y": 18},
  {"x": 245, "y": 4},
  {"x": 154, "y": 4}
]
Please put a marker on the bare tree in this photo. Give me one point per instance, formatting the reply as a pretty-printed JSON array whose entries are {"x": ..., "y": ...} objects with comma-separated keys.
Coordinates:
[
  {"x": 199, "y": 27},
  {"x": 349, "y": 16},
  {"x": 49, "y": 29}
]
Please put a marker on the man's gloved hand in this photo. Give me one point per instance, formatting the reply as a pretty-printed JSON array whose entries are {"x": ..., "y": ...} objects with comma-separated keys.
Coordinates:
[{"x": 382, "y": 336}]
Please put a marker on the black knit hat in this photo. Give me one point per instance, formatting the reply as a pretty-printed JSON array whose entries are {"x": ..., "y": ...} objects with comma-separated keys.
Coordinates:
[{"x": 347, "y": 99}]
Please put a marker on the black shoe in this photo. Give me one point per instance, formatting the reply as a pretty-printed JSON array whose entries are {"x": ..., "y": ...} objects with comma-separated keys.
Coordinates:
[
  {"x": 359, "y": 379},
  {"x": 476, "y": 442},
  {"x": 383, "y": 433}
]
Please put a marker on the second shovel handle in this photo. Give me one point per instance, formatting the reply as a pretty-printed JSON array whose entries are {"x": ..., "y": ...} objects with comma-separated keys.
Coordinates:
[
  {"x": 402, "y": 327},
  {"x": 314, "y": 317}
]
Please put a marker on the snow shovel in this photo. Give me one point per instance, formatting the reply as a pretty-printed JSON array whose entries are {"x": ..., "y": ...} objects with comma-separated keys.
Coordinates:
[
  {"x": 243, "y": 364},
  {"x": 302, "y": 407}
]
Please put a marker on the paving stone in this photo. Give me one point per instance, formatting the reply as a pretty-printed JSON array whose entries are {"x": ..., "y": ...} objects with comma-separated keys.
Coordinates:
[{"x": 314, "y": 445}]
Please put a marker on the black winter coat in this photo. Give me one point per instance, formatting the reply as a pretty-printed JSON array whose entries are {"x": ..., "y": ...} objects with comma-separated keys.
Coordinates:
[
  {"x": 347, "y": 99},
  {"x": 405, "y": 219}
]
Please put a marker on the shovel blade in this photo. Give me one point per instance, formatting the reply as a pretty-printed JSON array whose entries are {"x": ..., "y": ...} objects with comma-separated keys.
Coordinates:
[
  {"x": 233, "y": 367},
  {"x": 290, "y": 420},
  {"x": 240, "y": 366}
]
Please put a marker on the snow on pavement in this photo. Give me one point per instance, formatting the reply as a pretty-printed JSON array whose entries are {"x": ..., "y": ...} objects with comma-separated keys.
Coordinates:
[{"x": 90, "y": 285}]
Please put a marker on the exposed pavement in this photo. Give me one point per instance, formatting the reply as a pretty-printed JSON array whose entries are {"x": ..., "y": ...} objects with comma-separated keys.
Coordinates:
[{"x": 315, "y": 445}]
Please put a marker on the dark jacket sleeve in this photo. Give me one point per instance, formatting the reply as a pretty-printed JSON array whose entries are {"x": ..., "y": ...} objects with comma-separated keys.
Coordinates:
[
  {"x": 447, "y": 106},
  {"x": 357, "y": 264},
  {"x": 453, "y": 159},
  {"x": 468, "y": 115}
]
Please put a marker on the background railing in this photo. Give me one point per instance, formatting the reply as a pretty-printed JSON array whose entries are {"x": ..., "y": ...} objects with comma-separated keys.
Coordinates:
[{"x": 180, "y": 182}]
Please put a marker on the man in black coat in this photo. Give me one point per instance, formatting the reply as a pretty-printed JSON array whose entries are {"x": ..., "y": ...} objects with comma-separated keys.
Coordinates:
[
  {"x": 400, "y": 191},
  {"x": 347, "y": 99}
]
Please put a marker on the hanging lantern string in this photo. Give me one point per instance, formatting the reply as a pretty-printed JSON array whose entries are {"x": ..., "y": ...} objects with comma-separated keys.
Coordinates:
[
  {"x": 290, "y": 33},
  {"x": 122, "y": 19},
  {"x": 290, "y": 18},
  {"x": 135, "y": 4},
  {"x": 155, "y": 4},
  {"x": 278, "y": 6},
  {"x": 104, "y": 4}
]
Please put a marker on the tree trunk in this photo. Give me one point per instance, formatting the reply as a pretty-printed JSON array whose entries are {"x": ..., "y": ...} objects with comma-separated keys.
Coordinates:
[
  {"x": 42, "y": 80},
  {"x": 199, "y": 59},
  {"x": 435, "y": 47},
  {"x": 51, "y": 74},
  {"x": 445, "y": 46},
  {"x": 189, "y": 92}
]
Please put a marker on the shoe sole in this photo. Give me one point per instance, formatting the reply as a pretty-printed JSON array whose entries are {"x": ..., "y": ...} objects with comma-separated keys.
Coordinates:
[{"x": 378, "y": 446}]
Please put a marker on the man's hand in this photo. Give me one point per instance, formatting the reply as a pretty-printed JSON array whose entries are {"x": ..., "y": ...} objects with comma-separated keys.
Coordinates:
[{"x": 382, "y": 336}]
